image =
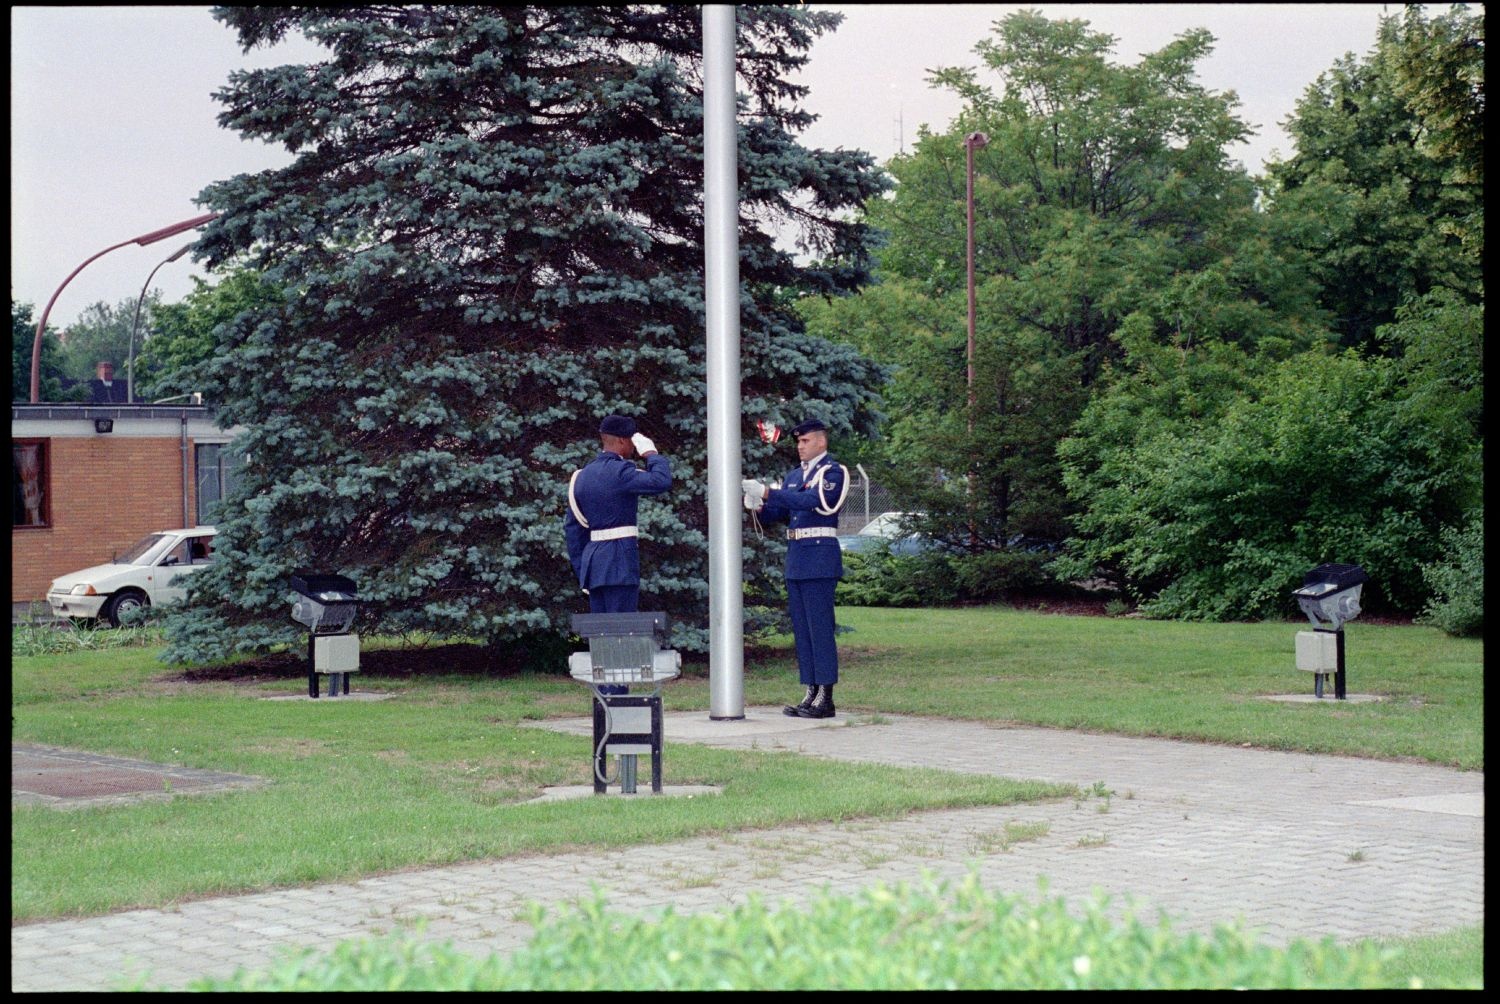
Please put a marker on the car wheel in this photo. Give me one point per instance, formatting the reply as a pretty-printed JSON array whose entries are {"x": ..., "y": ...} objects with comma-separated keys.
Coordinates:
[{"x": 123, "y": 605}]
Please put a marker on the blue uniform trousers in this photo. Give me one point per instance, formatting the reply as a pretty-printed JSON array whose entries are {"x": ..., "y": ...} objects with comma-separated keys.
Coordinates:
[
  {"x": 614, "y": 599},
  {"x": 810, "y": 602}
]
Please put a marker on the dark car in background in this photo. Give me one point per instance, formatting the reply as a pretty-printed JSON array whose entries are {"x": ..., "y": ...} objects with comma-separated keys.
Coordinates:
[{"x": 886, "y": 529}]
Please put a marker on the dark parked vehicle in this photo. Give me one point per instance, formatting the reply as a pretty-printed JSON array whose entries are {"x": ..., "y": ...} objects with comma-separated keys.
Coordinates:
[{"x": 885, "y": 528}]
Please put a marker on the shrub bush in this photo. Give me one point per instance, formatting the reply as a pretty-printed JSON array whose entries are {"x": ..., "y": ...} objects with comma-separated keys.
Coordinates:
[
  {"x": 877, "y": 578},
  {"x": 1457, "y": 580},
  {"x": 1219, "y": 519},
  {"x": 932, "y": 936},
  {"x": 995, "y": 574}
]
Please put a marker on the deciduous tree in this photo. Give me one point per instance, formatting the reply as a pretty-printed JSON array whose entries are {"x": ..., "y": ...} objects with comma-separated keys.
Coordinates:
[
  {"x": 1385, "y": 192},
  {"x": 1107, "y": 203},
  {"x": 180, "y": 340},
  {"x": 50, "y": 367},
  {"x": 104, "y": 331}
]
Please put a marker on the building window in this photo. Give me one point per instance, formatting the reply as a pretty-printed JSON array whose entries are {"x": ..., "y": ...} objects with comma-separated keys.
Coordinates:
[
  {"x": 218, "y": 473},
  {"x": 31, "y": 475}
]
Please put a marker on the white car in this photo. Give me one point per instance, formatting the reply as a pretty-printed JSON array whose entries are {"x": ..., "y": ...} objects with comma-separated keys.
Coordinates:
[{"x": 150, "y": 573}]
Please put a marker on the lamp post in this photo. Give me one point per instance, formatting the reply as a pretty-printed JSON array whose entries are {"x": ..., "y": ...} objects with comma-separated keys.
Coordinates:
[
  {"x": 136, "y": 321},
  {"x": 973, "y": 141},
  {"x": 143, "y": 240}
]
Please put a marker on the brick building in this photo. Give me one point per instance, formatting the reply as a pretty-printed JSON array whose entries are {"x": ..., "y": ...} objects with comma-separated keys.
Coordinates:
[{"x": 88, "y": 481}]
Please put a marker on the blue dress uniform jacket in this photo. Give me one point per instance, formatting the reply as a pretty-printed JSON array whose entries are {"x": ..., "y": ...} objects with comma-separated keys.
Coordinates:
[
  {"x": 811, "y": 502},
  {"x": 805, "y": 504},
  {"x": 607, "y": 492}
]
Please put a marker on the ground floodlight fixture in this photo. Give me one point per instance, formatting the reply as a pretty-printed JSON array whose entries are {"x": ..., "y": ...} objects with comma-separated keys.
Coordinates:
[
  {"x": 326, "y": 604},
  {"x": 625, "y": 648},
  {"x": 1330, "y": 594}
]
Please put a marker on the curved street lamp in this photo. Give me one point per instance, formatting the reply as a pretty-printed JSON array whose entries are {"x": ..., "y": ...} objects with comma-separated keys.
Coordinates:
[
  {"x": 143, "y": 240},
  {"x": 136, "y": 322}
]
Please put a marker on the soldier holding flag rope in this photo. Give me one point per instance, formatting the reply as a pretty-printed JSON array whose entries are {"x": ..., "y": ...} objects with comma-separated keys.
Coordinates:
[{"x": 809, "y": 500}]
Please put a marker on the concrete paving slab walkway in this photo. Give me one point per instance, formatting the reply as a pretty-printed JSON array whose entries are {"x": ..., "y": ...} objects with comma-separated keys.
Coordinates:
[{"x": 1294, "y": 845}]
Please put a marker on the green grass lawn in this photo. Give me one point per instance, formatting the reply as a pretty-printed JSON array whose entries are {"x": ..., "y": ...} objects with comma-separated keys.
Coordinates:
[
  {"x": 1160, "y": 678},
  {"x": 442, "y": 773}
]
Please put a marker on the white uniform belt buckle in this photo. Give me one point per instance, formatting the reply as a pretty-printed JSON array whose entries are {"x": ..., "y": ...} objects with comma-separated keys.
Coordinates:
[
  {"x": 812, "y": 531},
  {"x": 613, "y": 533}
]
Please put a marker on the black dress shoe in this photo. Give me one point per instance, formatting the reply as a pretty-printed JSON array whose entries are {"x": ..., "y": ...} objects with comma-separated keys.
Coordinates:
[{"x": 793, "y": 710}]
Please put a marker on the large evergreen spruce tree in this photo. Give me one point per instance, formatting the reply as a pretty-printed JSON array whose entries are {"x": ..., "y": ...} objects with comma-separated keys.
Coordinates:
[{"x": 492, "y": 235}]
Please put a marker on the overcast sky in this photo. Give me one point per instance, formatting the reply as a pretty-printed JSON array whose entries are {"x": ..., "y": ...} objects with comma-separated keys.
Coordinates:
[{"x": 114, "y": 129}]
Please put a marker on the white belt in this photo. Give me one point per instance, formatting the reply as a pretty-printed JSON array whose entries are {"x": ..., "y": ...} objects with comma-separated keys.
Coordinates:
[
  {"x": 613, "y": 533},
  {"x": 812, "y": 531}
]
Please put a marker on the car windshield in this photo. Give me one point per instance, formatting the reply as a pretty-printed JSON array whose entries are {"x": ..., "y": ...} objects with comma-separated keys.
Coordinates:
[
  {"x": 887, "y": 524},
  {"x": 146, "y": 550}
]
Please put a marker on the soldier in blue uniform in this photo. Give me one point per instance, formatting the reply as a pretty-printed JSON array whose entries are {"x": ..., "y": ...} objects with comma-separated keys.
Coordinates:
[
  {"x": 600, "y": 524},
  {"x": 809, "y": 499}
]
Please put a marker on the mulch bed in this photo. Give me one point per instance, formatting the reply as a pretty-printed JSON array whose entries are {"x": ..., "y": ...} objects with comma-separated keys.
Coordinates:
[
  {"x": 476, "y": 660},
  {"x": 447, "y": 660}
]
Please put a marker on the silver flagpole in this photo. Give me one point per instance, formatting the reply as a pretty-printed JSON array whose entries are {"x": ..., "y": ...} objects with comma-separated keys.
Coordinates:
[{"x": 721, "y": 246}]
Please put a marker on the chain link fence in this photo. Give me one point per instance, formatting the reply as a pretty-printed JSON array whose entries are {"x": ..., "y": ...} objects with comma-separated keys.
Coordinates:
[{"x": 866, "y": 501}]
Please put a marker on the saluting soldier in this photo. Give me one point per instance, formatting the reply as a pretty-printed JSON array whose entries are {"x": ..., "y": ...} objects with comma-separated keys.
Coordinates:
[
  {"x": 600, "y": 524},
  {"x": 809, "y": 499}
]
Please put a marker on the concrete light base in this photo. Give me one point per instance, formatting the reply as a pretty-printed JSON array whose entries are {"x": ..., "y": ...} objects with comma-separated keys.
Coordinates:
[
  {"x": 1325, "y": 699},
  {"x": 570, "y": 791},
  {"x": 353, "y": 695}
]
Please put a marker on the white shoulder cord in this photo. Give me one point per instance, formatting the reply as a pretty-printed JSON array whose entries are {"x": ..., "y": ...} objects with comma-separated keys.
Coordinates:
[
  {"x": 573, "y": 500},
  {"x": 825, "y": 509}
]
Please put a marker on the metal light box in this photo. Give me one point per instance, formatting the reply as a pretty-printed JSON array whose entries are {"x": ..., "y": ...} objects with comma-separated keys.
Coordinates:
[
  {"x": 336, "y": 653},
  {"x": 1317, "y": 651}
]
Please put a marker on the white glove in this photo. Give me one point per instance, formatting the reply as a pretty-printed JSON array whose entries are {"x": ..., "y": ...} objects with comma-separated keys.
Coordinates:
[
  {"x": 752, "y": 503},
  {"x": 643, "y": 445},
  {"x": 754, "y": 489}
]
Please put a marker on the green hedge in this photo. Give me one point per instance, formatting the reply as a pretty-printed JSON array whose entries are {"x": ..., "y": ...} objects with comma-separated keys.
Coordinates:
[
  {"x": 931, "y": 936},
  {"x": 877, "y": 578}
]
